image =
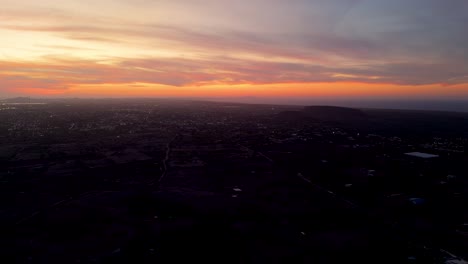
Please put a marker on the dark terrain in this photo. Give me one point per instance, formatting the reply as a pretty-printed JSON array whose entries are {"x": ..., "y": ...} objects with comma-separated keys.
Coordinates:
[{"x": 148, "y": 181}]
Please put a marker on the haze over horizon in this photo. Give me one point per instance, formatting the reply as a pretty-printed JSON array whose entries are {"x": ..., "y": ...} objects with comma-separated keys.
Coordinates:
[{"x": 271, "y": 50}]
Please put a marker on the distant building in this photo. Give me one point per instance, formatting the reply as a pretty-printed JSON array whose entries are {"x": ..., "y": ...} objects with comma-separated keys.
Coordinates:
[
  {"x": 417, "y": 201},
  {"x": 422, "y": 155}
]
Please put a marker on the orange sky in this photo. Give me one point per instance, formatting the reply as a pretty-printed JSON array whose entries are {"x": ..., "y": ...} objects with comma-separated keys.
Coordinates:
[{"x": 207, "y": 48}]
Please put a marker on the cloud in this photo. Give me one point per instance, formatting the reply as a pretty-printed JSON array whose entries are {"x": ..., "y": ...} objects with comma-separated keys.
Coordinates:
[
  {"x": 388, "y": 42},
  {"x": 63, "y": 73}
]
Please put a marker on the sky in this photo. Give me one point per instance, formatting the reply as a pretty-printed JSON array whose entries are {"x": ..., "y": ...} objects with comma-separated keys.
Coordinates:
[{"x": 342, "y": 49}]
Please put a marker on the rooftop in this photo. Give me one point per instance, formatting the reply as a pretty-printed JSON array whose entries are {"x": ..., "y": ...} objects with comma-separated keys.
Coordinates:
[{"x": 422, "y": 155}]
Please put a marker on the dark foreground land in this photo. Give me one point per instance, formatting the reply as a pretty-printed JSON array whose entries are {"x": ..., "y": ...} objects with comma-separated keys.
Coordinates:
[{"x": 160, "y": 181}]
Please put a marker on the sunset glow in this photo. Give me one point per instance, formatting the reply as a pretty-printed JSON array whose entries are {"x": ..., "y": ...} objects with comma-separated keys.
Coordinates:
[{"x": 208, "y": 48}]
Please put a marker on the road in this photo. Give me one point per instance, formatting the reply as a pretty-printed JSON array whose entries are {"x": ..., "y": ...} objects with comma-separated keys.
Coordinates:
[{"x": 165, "y": 165}]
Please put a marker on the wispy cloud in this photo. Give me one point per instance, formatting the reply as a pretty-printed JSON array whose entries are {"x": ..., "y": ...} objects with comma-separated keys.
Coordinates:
[
  {"x": 378, "y": 42},
  {"x": 61, "y": 74}
]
